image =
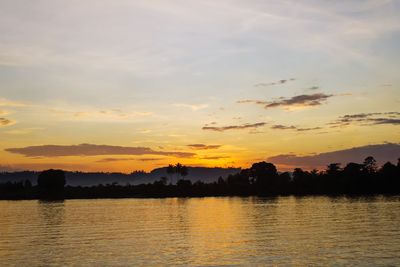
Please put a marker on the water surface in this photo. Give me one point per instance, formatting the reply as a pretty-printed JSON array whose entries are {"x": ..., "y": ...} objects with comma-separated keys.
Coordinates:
[{"x": 201, "y": 231}]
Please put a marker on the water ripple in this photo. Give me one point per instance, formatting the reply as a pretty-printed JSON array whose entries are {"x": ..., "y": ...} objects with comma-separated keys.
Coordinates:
[{"x": 201, "y": 231}]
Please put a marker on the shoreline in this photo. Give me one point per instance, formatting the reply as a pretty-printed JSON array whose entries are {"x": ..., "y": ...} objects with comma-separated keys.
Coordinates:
[{"x": 371, "y": 195}]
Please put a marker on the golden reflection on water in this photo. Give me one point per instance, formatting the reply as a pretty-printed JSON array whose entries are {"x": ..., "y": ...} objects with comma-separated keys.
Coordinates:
[{"x": 201, "y": 231}]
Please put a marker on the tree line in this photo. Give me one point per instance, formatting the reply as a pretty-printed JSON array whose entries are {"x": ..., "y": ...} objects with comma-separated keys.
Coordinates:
[{"x": 262, "y": 179}]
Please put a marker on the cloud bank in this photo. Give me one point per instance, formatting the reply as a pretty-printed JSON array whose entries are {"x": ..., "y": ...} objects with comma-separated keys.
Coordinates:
[{"x": 91, "y": 150}]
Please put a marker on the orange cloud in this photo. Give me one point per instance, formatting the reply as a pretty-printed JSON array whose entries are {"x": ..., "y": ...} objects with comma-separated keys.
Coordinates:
[
  {"x": 91, "y": 150},
  {"x": 6, "y": 122},
  {"x": 235, "y": 127},
  {"x": 203, "y": 146}
]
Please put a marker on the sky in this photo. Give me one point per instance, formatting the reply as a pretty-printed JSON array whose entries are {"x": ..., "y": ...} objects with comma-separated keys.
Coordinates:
[{"x": 115, "y": 85}]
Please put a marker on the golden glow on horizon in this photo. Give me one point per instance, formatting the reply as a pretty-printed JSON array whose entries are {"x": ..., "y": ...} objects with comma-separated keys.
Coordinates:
[{"x": 159, "y": 77}]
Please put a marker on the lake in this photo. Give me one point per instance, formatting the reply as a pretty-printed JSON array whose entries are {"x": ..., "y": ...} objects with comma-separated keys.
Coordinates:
[{"x": 295, "y": 231}]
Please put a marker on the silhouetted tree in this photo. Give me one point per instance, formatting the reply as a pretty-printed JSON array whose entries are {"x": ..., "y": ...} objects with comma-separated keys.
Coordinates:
[
  {"x": 388, "y": 169},
  {"x": 333, "y": 168},
  {"x": 353, "y": 169},
  {"x": 184, "y": 184},
  {"x": 265, "y": 176},
  {"x": 238, "y": 184},
  {"x": 27, "y": 184},
  {"x": 51, "y": 183},
  {"x": 369, "y": 165},
  {"x": 184, "y": 187},
  {"x": 301, "y": 181},
  {"x": 221, "y": 181},
  {"x": 314, "y": 172},
  {"x": 261, "y": 178},
  {"x": 161, "y": 182},
  {"x": 164, "y": 180},
  {"x": 178, "y": 169},
  {"x": 285, "y": 180}
]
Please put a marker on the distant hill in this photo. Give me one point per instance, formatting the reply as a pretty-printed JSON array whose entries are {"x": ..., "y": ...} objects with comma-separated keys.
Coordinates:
[
  {"x": 94, "y": 178},
  {"x": 196, "y": 173},
  {"x": 381, "y": 152}
]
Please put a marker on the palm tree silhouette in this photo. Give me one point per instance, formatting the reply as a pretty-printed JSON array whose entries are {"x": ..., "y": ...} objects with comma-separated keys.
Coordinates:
[{"x": 178, "y": 169}]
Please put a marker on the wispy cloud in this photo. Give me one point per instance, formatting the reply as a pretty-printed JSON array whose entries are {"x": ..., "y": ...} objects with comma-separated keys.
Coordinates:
[
  {"x": 258, "y": 102},
  {"x": 295, "y": 101},
  {"x": 149, "y": 159},
  {"x": 215, "y": 157},
  {"x": 193, "y": 107},
  {"x": 375, "y": 118},
  {"x": 308, "y": 129},
  {"x": 91, "y": 150},
  {"x": 203, "y": 146},
  {"x": 11, "y": 103},
  {"x": 114, "y": 159},
  {"x": 22, "y": 131},
  {"x": 127, "y": 159},
  {"x": 279, "y": 82},
  {"x": 210, "y": 123},
  {"x": 234, "y": 127},
  {"x": 282, "y": 127},
  {"x": 98, "y": 115},
  {"x": 300, "y": 100},
  {"x": 292, "y": 127},
  {"x": 6, "y": 122}
]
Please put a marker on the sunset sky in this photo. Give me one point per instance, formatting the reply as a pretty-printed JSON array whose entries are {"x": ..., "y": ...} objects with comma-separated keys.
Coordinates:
[{"x": 126, "y": 85}]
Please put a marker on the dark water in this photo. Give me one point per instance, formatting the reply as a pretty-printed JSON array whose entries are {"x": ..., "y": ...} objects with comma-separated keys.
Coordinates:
[{"x": 285, "y": 231}]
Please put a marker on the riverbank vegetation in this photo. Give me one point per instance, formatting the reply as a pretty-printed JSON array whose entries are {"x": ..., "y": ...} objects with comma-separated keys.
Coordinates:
[{"x": 262, "y": 179}]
